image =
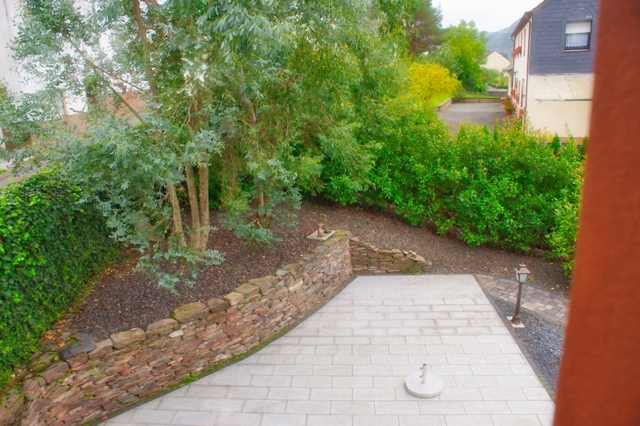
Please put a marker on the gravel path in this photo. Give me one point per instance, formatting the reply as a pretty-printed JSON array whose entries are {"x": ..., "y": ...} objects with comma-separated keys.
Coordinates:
[{"x": 543, "y": 340}]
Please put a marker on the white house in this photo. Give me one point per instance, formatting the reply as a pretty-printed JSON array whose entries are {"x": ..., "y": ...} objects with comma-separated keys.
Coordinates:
[
  {"x": 551, "y": 81},
  {"x": 8, "y": 69},
  {"x": 496, "y": 61}
]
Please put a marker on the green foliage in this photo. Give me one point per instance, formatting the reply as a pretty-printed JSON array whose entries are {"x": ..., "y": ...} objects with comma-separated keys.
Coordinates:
[
  {"x": 424, "y": 30},
  {"x": 584, "y": 146},
  {"x": 430, "y": 80},
  {"x": 495, "y": 78},
  {"x": 185, "y": 264},
  {"x": 50, "y": 245},
  {"x": 463, "y": 51},
  {"x": 21, "y": 116},
  {"x": 272, "y": 188},
  {"x": 563, "y": 237},
  {"x": 555, "y": 143},
  {"x": 500, "y": 188}
]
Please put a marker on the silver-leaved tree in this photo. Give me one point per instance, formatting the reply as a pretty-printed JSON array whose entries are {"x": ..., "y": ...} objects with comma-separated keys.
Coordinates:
[{"x": 265, "y": 99}]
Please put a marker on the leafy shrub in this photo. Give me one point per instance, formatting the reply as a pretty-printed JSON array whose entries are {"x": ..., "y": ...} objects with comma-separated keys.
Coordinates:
[
  {"x": 562, "y": 238},
  {"x": 430, "y": 80},
  {"x": 50, "y": 244},
  {"x": 500, "y": 188}
]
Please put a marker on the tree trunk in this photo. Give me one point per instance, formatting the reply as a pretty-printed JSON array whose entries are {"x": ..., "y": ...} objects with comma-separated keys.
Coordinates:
[
  {"x": 177, "y": 219},
  {"x": 203, "y": 172},
  {"x": 146, "y": 49},
  {"x": 194, "y": 243}
]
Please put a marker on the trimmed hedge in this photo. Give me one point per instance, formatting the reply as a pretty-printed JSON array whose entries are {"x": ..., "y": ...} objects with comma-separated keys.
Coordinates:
[
  {"x": 50, "y": 245},
  {"x": 502, "y": 187}
]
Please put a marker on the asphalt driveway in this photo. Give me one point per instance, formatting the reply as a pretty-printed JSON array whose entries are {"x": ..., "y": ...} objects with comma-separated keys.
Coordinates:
[{"x": 480, "y": 113}]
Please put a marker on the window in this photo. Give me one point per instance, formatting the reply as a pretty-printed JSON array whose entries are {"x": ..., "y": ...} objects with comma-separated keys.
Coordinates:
[{"x": 578, "y": 35}]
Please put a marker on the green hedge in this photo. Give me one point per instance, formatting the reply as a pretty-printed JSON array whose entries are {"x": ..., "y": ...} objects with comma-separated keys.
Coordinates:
[
  {"x": 502, "y": 187},
  {"x": 50, "y": 245}
]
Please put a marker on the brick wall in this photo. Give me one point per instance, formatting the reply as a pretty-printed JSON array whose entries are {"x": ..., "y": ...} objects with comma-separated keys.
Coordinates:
[{"x": 99, "y": 379}]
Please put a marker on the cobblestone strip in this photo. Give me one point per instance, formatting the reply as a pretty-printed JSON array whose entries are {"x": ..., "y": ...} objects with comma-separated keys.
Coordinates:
[{"x": 539, "y": 301}]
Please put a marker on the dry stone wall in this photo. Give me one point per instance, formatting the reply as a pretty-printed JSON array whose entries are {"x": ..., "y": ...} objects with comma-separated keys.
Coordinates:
[
  {"x": 97, "y": 379},
  {"x": 368, "y": 259}
]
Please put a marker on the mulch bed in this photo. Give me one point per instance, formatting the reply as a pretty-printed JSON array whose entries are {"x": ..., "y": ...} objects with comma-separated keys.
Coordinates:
[{"x": 122, "y": 299}]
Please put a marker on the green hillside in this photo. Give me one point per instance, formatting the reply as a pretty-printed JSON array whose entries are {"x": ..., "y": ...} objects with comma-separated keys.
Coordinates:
[{"x": 501, "y": 40}]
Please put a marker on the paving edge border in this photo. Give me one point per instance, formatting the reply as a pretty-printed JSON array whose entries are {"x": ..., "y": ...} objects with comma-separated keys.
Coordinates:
[
  {"x": 534, "y": 365},
  {"x": 544, "y": 315}
]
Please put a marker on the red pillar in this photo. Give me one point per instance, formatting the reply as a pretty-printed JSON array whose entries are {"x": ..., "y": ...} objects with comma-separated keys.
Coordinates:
[{"x": 600, "y": 373}]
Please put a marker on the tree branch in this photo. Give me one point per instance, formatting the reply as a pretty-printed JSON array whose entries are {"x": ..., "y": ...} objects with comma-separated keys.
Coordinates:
[{"x": 146, "y": 49}]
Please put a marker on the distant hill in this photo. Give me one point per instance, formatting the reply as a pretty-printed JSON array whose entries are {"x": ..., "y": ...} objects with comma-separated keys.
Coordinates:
[{"x": 501, "y": 40}]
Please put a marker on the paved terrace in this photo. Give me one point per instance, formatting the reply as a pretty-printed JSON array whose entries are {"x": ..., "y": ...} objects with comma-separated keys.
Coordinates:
[{"x": 345, "y": 365}]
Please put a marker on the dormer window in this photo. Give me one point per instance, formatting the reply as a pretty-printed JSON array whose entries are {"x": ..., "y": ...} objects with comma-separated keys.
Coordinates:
[{"x": 578, "y": 36}]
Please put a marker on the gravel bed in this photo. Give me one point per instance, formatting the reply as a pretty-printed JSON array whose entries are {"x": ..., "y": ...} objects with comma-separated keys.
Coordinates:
[
  {"x": 543, "y": 339},
  {"x": 122, "y": 299}
]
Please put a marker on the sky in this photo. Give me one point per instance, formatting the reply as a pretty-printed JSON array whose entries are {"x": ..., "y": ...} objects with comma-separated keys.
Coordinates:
[{"x": 489, "y": 15}]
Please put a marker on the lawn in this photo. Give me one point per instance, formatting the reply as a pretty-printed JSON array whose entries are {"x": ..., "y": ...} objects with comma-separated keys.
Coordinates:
[
  {"x": 479, "y": 96},
  {"x": 438, "y": 99}
]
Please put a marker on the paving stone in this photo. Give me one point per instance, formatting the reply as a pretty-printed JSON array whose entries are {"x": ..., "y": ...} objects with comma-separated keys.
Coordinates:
[{"x": 345, "y": 365}]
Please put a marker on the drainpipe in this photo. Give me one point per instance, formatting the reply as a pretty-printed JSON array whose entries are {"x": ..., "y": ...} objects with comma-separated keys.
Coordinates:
[{"x": 526, "y": 87}]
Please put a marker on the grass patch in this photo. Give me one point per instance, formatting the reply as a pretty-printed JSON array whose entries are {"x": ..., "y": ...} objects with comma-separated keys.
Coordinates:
[
  {"x": 438, "y": 99},
  {"x": 479, "y": 96},
  {"x": 2, "y": 171}
]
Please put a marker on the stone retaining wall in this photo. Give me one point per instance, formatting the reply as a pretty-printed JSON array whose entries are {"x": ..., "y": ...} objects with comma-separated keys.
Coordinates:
[
  {"x": 368, "y": 259},
  {"x": 97, "y": 379}
]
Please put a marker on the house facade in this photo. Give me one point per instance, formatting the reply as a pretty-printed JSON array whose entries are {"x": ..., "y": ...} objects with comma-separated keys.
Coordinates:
[
  {"x": 8, "y": 70},
  {"x": 496, "y": 61},
  {"x": 551, "y": 80}
]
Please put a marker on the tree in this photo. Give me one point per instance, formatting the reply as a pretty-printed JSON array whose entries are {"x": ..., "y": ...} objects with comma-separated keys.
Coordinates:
[
  {"x": 265, "y": 98},
  {"x": 424, "y": 29},
  {"x": 428, "y": 80},
  {"x": 463, "y": 51}
]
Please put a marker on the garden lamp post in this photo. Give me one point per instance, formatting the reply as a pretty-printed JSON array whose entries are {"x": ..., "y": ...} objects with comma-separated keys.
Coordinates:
[{"x": 521, "y": 277}]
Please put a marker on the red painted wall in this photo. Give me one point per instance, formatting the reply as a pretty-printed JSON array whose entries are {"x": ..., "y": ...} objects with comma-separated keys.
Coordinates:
[{"x": 600, "y": 373}]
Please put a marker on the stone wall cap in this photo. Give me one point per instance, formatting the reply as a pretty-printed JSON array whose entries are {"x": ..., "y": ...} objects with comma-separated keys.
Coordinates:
[
  {"x": 247, "y": 290},
  {"x": 125, "y": 338},
  {"x": 294, "y": 268},
  {"x": 102, "y": 347},
  {"x": 162, "y": 326},
  {"x": 265, "y": 283},
  {"x": 74, "y": 349},
  {"x": 233, "y": 298},
  {"x": 217, "y": 305},
  {"x": 41, "y": 362},
  {"x": 191, "y": 312}
]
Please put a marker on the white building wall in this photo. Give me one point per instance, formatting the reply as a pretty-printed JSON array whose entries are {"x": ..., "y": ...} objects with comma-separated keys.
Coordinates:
[
  {"x": 8, "y": 69},
  {"x": 496, "y": 61},
  {"x": 519, "y": 83},
  {"x": 558, "y": 117}
]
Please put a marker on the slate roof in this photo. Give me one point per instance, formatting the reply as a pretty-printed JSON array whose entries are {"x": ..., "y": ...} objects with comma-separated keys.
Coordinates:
[
  {"x": 561, "y": 87},
  {"x": 549, "y": 21},
  {"x": 548, "y": 37},
  {"x": 499, "y": 53}
]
